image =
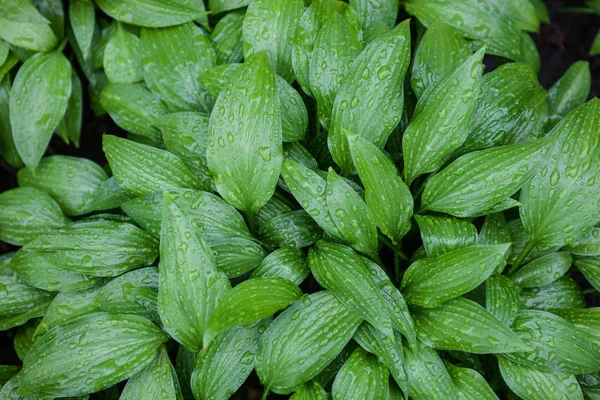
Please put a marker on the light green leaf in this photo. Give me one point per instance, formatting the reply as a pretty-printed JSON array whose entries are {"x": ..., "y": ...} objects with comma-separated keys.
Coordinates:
[
  {"x": 17, "y": 297},
  {"x": 362, "y": 376},
  {"x": 541, "y": 11},
  {"x": 269, "y": 25},
  {"x": 294, "y": 117},
  {"x": 595, "y": 49},
  {"x": 226, "y": 38},
  {"x": 54, "y": 12},
  {"x": 531, "y": 384},
  {"x": 434, "y": 132},
  {"x": 339, "y": 269},
  {"x": 297, "y": 152},
  {"x": 108, "y": 195},
  {"x": 285, "y": 358},
  {"x": 520, "y": 239},
  {"x": 69, "y": 128},
  {"x": 495, "y": 230},
  {"x": 373, "y": 12},
  {"x": 294, "y": 228},
  {"x": 11, "y": 321},
  {"x": 590, "y": 268},
  {"x": 149, "y": 13},
  {"x": 440, "y": 52},
  {"x": 586, "y": 320},
  {"x": 587, "y": 245},
  {"x": 562, "y": 293},
  {"x": 4, "y": 52},
  {"x": 543, "y": 270},
  {"x": 470, "y": 385},
  {"x": 570, "y": 91},
  {"x": 310, "y": 391},
  {"x": 529, "y": 52},
  {"x": 248, "y": 111},
  {"x": 502, "y": 298},
  {"x": 23, "y": 26},
  {"x": 444, "y": 234},
  {"x": 122, "y": 57},
  {"x": 218, "y": 6},
  {"x": 459, "y": 189},
  {"x": 116, "y": 348},
  {"x": 26, "y": 213},
  {"x": 287, "y": 263},
  {"x": 370, "y": 100},
  {"x": 185, "y": 133},
  {"x": 7, "y": 144},
  {"x": 38, "y": 101},
  {"x": 431, "y": 281},
  {"x": 81, "y": 16},
  {"x": 560, "y": 202},
  {"x": 461, "y": 324}
]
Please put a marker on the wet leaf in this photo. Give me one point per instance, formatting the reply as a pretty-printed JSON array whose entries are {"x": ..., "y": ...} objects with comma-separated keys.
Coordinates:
[
  {"x": 310, "y": 391},
  {"x": 149, "y": 13},
  {"x": 123, "y": 58},
  {"x": 562, "y": 293},
  {"x": 590, "y": 268},
  {"x": 23, "y": 26},
  {"x": 444, "y": 234},
  {"x": 495, "y": 230},
  {"x": 69, "y": 128},
  {"x": 569, "y": 92},
  {"x": 226, "y": 38},
  {"x": 294, "y": 228},
  {"x": 7, "y": 144},
  {"x": 24, "y": 338},
  {"x": 17, "y": 297},
  {"x": 587, "y": 245},
  {"x": 108, "y": 195},
  {"x": 373, "y": 12},
  {"x": 470, "y": 385},
  {"x": 502, "y": 298},
  {"x": 543, "y": 270},
  {"x": 586, "y": 320},
  {"x": 81, "y": 16},
  {"x": 287, "y": 263},
  {"x": 362, "y": 376}
]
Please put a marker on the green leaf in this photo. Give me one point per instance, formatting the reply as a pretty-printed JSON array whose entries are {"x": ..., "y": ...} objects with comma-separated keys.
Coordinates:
[
  {"x": 184, "y": 366},
  {"x": 226, "y": 38},
  {"x": 310, "y": 391},
  {"x": 513, "y": 88},
  {"x": 11, "y": 321},
  {"x": 185, "y": 134},
  {"x": 336, "y": 46},
  {"x": 495, "y": 230},
  {"x": 294, "y": 228},
  {"x": 133, "y": 108},
  {"x": 531, "y": 384},
  {"x": 249, "y": 302},
  {"x": 26, "y": 213},
  {"x": 81, "y": 16},
  {"x": 116, "y": 348},
  {"x": 103, "y": 248},
  {"x": 218, "y": 6},
  {"x": 529, "y": 52},
  {"x": 187, "y": 268},
  {"x": 173, "y": 59},
  {"x": 543, "y": 270},
  {"x": 373, "y": 12},
  {"x": 351, "y": 215},
  {"x": 297, "y": 152},
  {"x": 287, "y": 263},
  {"x": 541, "y": 11},
  {"x": 560, "y": 202},
  {"x": 38, "y": 101},
  {"x": 428, "y": 378},
  {"x": 434, "y": 133},
  {"x": 149, "y": 13},
  {"x": 71, "y": 181},
  {"x": 595, "y": 49},
  {"x": 23, "y": 26},
  {"x": 431, "y": 281},
  {"x": 444, "y": 234},
  {"x": 108, "y": 195},
  {"x": 562, "y": 293},
  {"x": 586, "y": 320},
  {"x": 370, "y": 100},
  {"x": 470, "y": 385},
  {"x": 223, "y": 368},
  {"x": 340, "y": 270},
  {"x": 461, "y": 324},
  {"x": 520, "y": 239},
  {"x": 361, "y": 377},
  {"x": 142, "y": 169},
  {"x": 7, "y": 372},
  {"x": 459, "y": 189},
  {"x": 502, "y": 298},
  {"x": 440, "y": 52},
  {"x": 69, "y": 128},
  {"x": 386, "y": 195},
  {"x": 248, "y": 106},
  {"x": 7, "y": 144},
  {"x": 269, "y": 25},
  {"x": 285, "y": 358},
  {"x": 590, "y": 268},
  {"x": 553, "y": 352},
  {"x": 157, "y": 380},
  {"x": 123, "y": 58},
  {"x": 17, "y": 297},
  {"x": 294, "y": 117},
  {"x": 569, "y": 92},
  {"x": 587, "y": 245}
]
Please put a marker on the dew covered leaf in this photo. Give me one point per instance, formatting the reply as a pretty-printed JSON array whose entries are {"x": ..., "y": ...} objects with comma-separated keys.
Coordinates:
[
  {"x": 287, "y": 262},
  {"x": 587, "y": 245},
  {"x": 293, "y": 228},
  {"x": 7, "y": 144},
  {"x": 82, "y": 16},
  {"x": 17, "y": 296},
  {"x": 150, "y": 13},
  {"x": 494, "y": 230},
  {"x": 502, "y": 298},
  {"x": 373, "y": 12},
  {"x": 69, "y": 128},
  {"x": 570, "y": 91},
  {"x": 443, "y": 234},
  {"x": 469, "y": 384},
  {"x": 23, "y": 26},
  {"x": 310, "y": 391},
  {"x": 226, "y": 38},
  {"x": 543, "y": 270},
  {"x": 586, "y": 320},
  {"x": 590, "y": 268},
  {"x": 562, "y": 293},
  {"x": 123, "y": 58},
  {"x": 361, "y": 376}
]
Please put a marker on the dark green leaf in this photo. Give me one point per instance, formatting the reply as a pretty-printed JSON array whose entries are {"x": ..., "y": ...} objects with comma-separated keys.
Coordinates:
[
  {"x": 502, "y": 298},
  {"x": 543, "y": 270},
  {"x": 470, "y": 385},
  {"x": 362, "y": 376},
  {"x": 562, "y": 293},
  {"x": 373, "y": 12},
  {"x": 586, "y": 320},
  {"x": 294, "y": 228},
  {"x": 16, "y": 296},
  {"x": 587, "y": 245},
  {"x": 287, "y": 263},
  {"x": 570, "y": 91},
  {"x": 590, "y": 268},
  {"x": 7, "y": 145},
  {"x": 444, "y": 234},
  {"x": 69, "y": 128},
  {"x": 495, "y": 230},
  {"x": 310, "y": 391},
  {"x": 82, "y": 15}
]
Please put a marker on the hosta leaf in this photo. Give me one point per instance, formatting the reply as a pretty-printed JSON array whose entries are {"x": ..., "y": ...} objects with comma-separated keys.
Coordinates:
[
  {"x": 173, "y": 59},
  {"x": 373, "y": 12},
  {"x": 26, "y": 213},
  {"x": 285, "y": 356},
  {"x": 123, "y": 58},
  {"x": 362, "y": 376},
  {"x": 218, "y": 6},
  {"x": 223, "y": 368},
  {"x": 570, "y": 91},
  {"x": 431, "y": 281},
  {"x": 560, "y": 202},
  {"x": 562, "y": 293},
  {"x": 149, "y": 13},
  {"x": 502, "y": 298},
  {"x": 543, "y": 270},
  {"x": 156, "y": 380},
  {"x": 310, "y": 391},
  {"x": 249, "y": 302},
  {"x": 116, "y": 347},
  {"x": 386, "y": 195},
  {"x": 287, "y": 263},
  {"x": 443, "y": 234},
  {"x": 226, "y": 38},
  {"x": 295, "y": 151},
  {"x": 185, "y": 133},
  {"x": 33, "y": 115},
  {"x": 7, "y": 144},
  {"x": 82, "y": 15},
  {"x": 590, "y": 268},
  {"x": 69, "y": 128},
  {"x": 440, "y": 52},
  {"x": 294, "y": 228},
  {"x": 187, "y": 268},
  {"x": 108, "y": 195},
  {"x": 133, "y": 108},
  {"x": 184, "y": 367},
  {"x": 245, "y": 124},
  {"x": 294, "y": 117},
  {"x": 428, "y": 378},
  {"x": 18, "y": 297},
  {"x": 553, "y": 352},
  {"x": 495, "y": 230},
  {"x": 71, "y": 181},
  {"x": 513, "y": 88},
  {"x": 23, "y": 26},
  {"x": 520, "y": 239},
  {"x": 595, "y": 49},
  {"x": 470, "y": 385},
  {"x": 459, "y": 189},
  {"x": 272, "y": 209},
  {"x": 237, "y": 255},
  {"x": 370, "y": 100},
  {"x": 141, "y": 169},
  {"x": 11, "y": 321},
  {"x": 336, "y": 46},
  {"x": 351, "y": 215},
  {"x": 103, "y": 248},
  {"x": 339, "y": 269},
  {"x": 24, "y": 338},
  {"x": 441, "y": 121},
  {"x": 586, "y": 320},
  {"x": 587, "y": 245},
  {"x": 269, "y": 25},
  {"x": 531, "y": 384},
  {"x": 464, "y": 325}
]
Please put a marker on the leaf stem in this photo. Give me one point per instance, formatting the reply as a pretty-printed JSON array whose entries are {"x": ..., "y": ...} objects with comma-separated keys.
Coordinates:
[
  {"x": 265, "y": 393},
  {"x": 250, "y": 216},
  {"x": 524, "y": 253},
  {"x": 387, "y": 242},
  {"x": 284, "y": 199},
  {"x": 589, "y": 291}
]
